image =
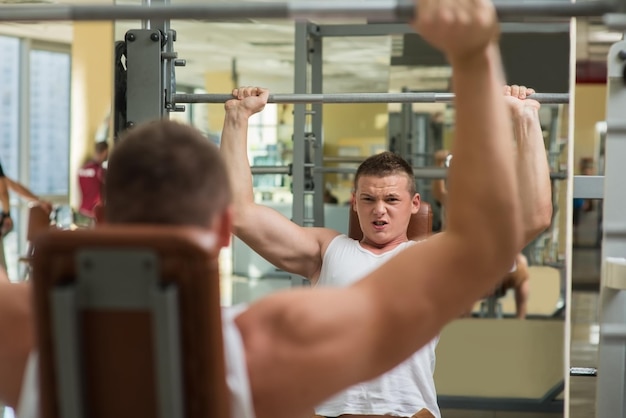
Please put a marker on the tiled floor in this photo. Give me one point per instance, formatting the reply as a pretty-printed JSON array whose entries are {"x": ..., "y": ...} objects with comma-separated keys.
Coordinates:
[
  {"x": 585, "y": 328},
  {"x": 584, "y": 351}
]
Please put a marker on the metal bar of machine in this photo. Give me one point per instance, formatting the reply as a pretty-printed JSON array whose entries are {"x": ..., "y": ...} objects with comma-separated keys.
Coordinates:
[
  {"x": 554, "y": 98},
  {"x": 376, "y": 10}
]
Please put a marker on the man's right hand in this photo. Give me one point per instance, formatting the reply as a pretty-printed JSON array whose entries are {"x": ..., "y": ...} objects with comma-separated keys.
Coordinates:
[
  {"x": 247, "y": 101},
  {"x": 459, "y": 28},
  {"x": 518, "y": 102}
]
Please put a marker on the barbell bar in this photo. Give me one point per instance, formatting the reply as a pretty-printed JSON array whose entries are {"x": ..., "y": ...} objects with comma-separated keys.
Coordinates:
[
  {"x": 555, "y": 98},
  {"x": 272, "y": 169},
  {"x": 432, "y": 173},
  {"x": 420, "y": 172},
  {"x": 377, "y": 10}
]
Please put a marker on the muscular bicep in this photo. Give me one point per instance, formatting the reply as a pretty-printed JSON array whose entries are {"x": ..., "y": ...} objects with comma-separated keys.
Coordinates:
[
  {"x": 303, "y": 346},
  {"x": 280, "y": 241}
]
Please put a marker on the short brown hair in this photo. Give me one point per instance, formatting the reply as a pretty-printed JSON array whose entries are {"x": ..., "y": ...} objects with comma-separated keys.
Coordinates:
[
  {"x": 164, "y": 172},
  {"x": 386, "y": 164}
]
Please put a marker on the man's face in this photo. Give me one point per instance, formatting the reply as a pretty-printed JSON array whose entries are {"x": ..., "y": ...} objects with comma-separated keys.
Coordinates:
[{"x": 384, "y": 206}]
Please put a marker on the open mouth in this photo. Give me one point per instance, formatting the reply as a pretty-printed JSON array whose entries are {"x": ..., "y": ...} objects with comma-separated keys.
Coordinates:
[{"x": 379, "y": 224}]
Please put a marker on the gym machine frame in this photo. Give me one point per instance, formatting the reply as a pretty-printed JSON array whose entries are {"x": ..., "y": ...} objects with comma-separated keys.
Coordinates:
[
  {"x": 611, "y": 385},
  {"x": 378, "y": 10}
]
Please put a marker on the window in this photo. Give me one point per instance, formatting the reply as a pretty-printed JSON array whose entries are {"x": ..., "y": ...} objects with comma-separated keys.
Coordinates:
[
  {"x": 49, "y": 122},
  {"x": 200, "y": 113},
  {"x": 9, "y": 134},
  {"x": 34, "y": 129},
  {"x": 9, "y": 105},
  {"x": 195, "y": 114},
  {"x": 263, "y": 146}
]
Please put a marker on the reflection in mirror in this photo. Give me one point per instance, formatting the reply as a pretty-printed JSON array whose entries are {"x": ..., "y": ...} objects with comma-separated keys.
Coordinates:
[{"x": 489, "y": 361}]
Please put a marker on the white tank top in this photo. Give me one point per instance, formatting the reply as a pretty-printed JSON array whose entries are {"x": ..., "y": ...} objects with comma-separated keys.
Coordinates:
[
  {"x": 407, "y": 388},
  {"x": 236, "y": 373},
  {"x": 236, "y": 366}
]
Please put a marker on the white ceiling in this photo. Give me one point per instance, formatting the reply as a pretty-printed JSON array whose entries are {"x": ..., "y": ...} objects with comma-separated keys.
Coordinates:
[{"x": 264, "y": 53}]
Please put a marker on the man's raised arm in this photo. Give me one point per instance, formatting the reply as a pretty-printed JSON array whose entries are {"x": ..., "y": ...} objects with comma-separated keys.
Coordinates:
[
  {"x": 283, "y": 243},
  {"x": 533, "y": 171},
  {"x": 484, "y": 231}
]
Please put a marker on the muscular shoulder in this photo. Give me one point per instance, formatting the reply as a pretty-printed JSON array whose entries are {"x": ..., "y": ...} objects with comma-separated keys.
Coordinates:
[{"x": 286, "y": 337}]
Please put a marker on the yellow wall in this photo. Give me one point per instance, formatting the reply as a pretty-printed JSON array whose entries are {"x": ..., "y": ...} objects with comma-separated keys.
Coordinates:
[
  {"x": 353, "y": 126},
  {"x": 217, "y": 83},
  {"x": 354, "y": 120},
  {"x": 590, "y": 108},
  {"x": 92, "y": 91}
]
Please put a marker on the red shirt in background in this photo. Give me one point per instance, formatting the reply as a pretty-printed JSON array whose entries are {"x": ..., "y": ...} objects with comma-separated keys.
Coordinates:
[{"x": 90, "y": 181}]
